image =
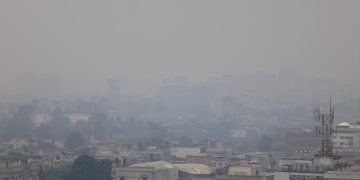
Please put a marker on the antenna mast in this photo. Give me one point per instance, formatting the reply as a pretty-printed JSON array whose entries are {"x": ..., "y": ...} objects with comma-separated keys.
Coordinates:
[{"x": 324, "y": 129}]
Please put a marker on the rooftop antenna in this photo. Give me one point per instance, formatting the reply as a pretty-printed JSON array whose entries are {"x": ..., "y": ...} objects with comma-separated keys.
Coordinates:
[{"x": 324, "y": 129}]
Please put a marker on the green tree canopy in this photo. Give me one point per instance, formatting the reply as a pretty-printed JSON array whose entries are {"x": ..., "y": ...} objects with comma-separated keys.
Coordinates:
[
  {"x": 105, "y": 166},
  {"x": 88, "y": 168}
]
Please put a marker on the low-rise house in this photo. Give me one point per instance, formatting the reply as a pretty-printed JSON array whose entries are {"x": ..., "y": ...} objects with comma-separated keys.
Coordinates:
[
  {"x": 214, "y": 162},
  {"x": 243, "y": 177},
  {"x": 243, "y": 172},
  {"x": 159, "y": 170},
  {"x": 152, "y": 155},
  {"x": 104, "y": 149},
  {"x": 349, "y": 155},
  {"x": 182, "y": 152},
  {"x": 19, "y": 143},
  {"x": 302, "y": 140},
  {"x": 260, "y": 158},
  {"x": 194, "y": 172},
  {"x": 162, "y": 170},
  {"x": 15, "y": 168},
  {"x": 246, "y": 170},
  {"x": 315, "y": 165},
  {"x": 297, "y": 175},
  {"x": 340, "y": 175}
]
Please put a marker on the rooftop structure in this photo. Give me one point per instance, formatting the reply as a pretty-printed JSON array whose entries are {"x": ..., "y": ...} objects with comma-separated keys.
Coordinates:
[
  {"x": 163, "y": 170},
  {"x": 155, "y": 165},
  {"x": 347, "y": 135},
  {"x": 193, "y": 168},
  {"x": 25, "y": 167},
  {"x": 325, "y": 130}
]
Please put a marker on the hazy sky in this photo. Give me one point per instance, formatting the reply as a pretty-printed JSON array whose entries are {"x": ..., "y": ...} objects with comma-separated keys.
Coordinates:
[{"x": 86, "y": 42}]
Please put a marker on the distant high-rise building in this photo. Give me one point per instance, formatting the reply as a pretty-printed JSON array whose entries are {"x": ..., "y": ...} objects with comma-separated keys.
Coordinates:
[{"x": 113, "y": 92}]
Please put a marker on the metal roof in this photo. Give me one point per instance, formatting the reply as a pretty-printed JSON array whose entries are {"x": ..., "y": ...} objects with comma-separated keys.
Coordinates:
[
  {"x": 193, "y": 168},
  {"x": 156, "y": 165}
]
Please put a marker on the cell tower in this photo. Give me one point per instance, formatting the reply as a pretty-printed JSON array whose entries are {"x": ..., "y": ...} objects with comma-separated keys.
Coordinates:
[{"x": 324, "y": 129}]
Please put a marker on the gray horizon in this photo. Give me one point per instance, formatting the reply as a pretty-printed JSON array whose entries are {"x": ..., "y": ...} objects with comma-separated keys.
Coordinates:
[{"x": 143, "y": 42}]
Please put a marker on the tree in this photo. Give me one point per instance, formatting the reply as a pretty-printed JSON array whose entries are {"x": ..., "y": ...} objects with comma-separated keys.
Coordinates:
[
  {"x": 74, "y": 140},
  {"x": 87, "y": 168},
  {"x": 84, "y": 168},
  {"x": 105, "y": 166}
]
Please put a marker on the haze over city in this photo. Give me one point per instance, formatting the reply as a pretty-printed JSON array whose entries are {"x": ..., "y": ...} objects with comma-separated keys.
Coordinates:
[
  {"x": 143, "y": 42},
  {"x": 180, "y": 90}
]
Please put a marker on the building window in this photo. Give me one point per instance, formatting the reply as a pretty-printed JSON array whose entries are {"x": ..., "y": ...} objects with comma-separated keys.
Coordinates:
[
  {"x": 122, "y": 178},
  {"x": 144, "y": 178}
]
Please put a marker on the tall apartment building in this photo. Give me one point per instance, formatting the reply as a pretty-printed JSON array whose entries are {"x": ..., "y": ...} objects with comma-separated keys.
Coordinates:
[{"x": 347, "y": 135}]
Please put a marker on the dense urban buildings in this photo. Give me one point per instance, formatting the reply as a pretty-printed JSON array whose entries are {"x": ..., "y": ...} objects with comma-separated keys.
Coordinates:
[{"x": 179, "y": 90}]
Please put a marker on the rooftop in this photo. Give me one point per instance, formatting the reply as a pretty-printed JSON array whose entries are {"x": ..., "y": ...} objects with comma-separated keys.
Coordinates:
[
  {"x": 188, "y": 168},
  {"x": 193, "y": 168},
  {"x": 155, "y": 165},
  {"x": 346, "y": 124}
]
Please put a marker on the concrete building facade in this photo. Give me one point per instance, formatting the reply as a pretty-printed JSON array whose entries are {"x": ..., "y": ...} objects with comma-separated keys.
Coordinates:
[{"x": 347, "y": 135}]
